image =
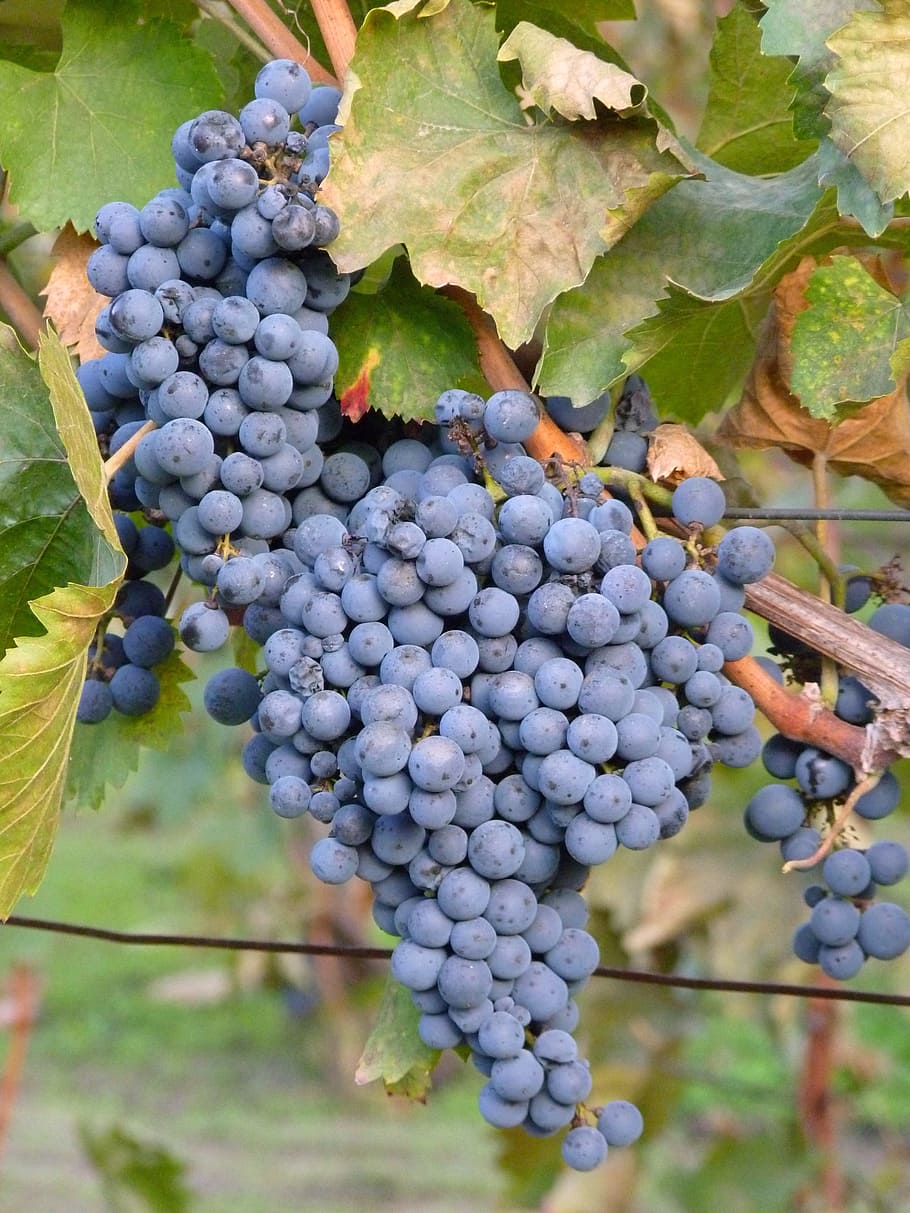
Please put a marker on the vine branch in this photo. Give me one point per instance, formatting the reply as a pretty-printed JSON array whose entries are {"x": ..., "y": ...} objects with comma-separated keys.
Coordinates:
[
  {"x": 278, "y": 38},
  {"x": 21, "y": 312}
]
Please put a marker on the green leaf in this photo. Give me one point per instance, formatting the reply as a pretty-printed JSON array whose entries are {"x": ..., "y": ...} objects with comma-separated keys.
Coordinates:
[
  {"x": 132, "y": 1170},
  {"x": 854, "y": 194},
  {"x": 843, "y": 342},
  {"x": 104, "y": 755},
  {"x": 747, "y": 124},
  {"x": 99, "y": 126},
  {"x": 436, "y": 154},
  {"x": 400, "y": 348},
  {"x": 41, "y": 675},
  {"x": 394, "y": 1052},
  {"x": 46, "y": 533},
  {"x": 558, "y": 76},
  {"x": 710, "y": 238},
  {"x": 870, "y": 119},
  {"x": 694, "y": 354}
]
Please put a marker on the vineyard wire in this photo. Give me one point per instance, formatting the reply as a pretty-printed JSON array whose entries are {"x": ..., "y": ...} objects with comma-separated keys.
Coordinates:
[{"x": 225, "y": 943}]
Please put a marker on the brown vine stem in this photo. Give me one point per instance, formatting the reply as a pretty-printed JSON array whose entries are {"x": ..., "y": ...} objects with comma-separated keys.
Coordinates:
[
  {"x": 19, "y": 308},
  {"x": 274, "y": 34},
  {"x": 339, "y": 33},
  {"x": 500, "y": 372},
  {"x": 125, "y": 454},
  {"x": 796, "y": 716}
]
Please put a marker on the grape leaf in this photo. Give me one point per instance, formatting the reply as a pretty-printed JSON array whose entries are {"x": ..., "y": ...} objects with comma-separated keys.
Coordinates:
[
  {"x": 870, "y": 119},
  {"x": 799, "y": 29},
  {"x": 872, "y": 443},
  {"x": 394, "y": 1052},
  {"x": 41, "y": 675},
  {"x": 46, "y": 533},
  {"x": 843, "y": 342},
  {"x": 436, "y": 154},
  {"x": 71, "y": 301},
  {"x": 576, "y": 20},
  {"x": 558, "y": 76},
  {"x": 98, "y": 127},
  {"x": 136, "y": 1173},
  {"x": 710, "y": 238},
  {"x": 854, "y": 195},
  {"x": 400, "y": 348},
  {"x": 747, "y": 125},
  {"x": 104, "y": 755},
  {"x": 696, "y": 352}
]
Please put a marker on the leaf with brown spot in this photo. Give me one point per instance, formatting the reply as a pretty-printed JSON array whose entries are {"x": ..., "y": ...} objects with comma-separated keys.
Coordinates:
[
  {"x": 355, "y": 402},
  {"x": 674, "y": 454},
  {"x": 71, "y": 301},
  {"x": 437, "y": 154},
  {"x": 872, "y": 443}
]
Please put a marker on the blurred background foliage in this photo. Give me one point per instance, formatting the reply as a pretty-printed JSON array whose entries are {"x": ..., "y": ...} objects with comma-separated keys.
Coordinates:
[{"x": 171, "y": 1080}]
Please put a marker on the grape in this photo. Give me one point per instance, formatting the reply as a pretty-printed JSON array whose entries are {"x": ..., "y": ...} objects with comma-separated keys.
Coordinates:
[
  {"x": 511, "y": 416},
  {"x": 699, "y": 500},
  {"x": 134, "y": 690},
  {"x": 284, "y": 81},
  {"x": 892, "y": 620},
  {"x": 95, "y": 702},
  {"x": 884, "y": 931},
  {"x": 835, "y": 921},
  {"x": 820, "y": 775},
  {"x": 846, "y": 873},
  {"x": 148, "y": 641},
  {"x": 744, "y": 555},
  {"x": 584, "y": 1148},
  {"x": 774, "y": 812},
  {"x": 888, "y": 862}
]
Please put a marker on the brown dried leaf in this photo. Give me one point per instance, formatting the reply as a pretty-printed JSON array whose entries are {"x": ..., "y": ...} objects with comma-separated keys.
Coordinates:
[
  {"x": 874, "y": 443},
  {"x": 674, "y": 454},
  {"x": 72, "y": 303}
]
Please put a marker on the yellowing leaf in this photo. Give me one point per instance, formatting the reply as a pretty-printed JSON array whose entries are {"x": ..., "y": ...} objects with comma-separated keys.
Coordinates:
[
  {"x": 558, "y": 76},
  {"x": 436, "y": 154},
  {"x": 872, "y": 443},
  {"x": 869, "y": 110},
  {"x": 41, "y": 675},
  {"x": 40, "y": 681}
]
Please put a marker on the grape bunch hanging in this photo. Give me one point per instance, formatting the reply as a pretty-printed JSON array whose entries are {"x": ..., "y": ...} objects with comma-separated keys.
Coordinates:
[{"x": 469, "y": 672}]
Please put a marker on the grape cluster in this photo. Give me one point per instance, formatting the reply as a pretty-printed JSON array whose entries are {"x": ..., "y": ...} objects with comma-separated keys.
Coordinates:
[
  {"x": 483, "y": 695},
  {"x": 217, "y": 331},
  {"x": 120, "y": 674},
  {"x": 846, "y": 925}
]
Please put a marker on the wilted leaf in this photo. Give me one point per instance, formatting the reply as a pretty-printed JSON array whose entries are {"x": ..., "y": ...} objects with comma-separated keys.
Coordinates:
[
  {"x": 843, "y": 342},
  {"x": 558, "y": 76},
  {"x": 870, "y": 118},
  {"x": 72, "y": 303},
  {"x": 393, "y": 1051},
  {"x": 436, "y": 154},
  {"x": 104, "y": 755},
  {"x": 747, "y": 124},
  {"x": 99, "y": 126},
  {"x": 710, "y": 238},
  {"x": 400, "y": 348},
  {"x": 674, "y": 454},
  {"x": 872, "y": 443}
]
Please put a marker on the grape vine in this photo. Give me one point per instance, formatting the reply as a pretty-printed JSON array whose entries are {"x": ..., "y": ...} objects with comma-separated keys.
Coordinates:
[{"x": 487, "y": 604}]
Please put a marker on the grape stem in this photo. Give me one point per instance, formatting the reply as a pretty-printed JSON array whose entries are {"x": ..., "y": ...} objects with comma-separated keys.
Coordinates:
[
  {"x": 126, "y": 452},
  {"x": 275, "y": 35},
  {"x": 840, "y": 821},
  {"x": 338, "y": 32}
]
